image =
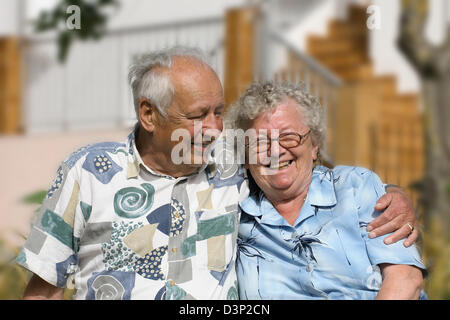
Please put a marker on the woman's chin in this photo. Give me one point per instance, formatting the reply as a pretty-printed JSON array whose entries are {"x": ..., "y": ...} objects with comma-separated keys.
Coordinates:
[{"x": 281, "y": 184}]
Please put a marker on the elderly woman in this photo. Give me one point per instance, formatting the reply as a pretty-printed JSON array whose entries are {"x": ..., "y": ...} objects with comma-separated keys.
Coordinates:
[{"x": 303, "y": 228}]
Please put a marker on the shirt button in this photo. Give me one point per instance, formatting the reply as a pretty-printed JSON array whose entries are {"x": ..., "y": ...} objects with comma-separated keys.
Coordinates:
[
  {"x": 308, "y": 268},
  {"x": 172, "y": 283},
  {"x": 174, "y": 250}
]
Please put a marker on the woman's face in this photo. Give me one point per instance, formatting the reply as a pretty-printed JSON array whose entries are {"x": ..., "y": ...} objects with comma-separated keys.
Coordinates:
[{"x": 292, "y": 176}]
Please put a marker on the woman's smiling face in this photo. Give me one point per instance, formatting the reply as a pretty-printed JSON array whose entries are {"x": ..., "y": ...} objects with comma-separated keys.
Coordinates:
[{"x": 292, "y": 176}]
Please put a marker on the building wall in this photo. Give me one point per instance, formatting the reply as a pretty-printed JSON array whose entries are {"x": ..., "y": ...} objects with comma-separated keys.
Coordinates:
[
  {"x": 10, "y": 17},
  {"x": 132, "y": 13},
  {"x": 90, "y": 89}
]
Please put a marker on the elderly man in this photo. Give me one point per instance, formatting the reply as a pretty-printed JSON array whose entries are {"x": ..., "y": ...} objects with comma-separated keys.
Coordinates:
[{"x": 126, "y": 221}]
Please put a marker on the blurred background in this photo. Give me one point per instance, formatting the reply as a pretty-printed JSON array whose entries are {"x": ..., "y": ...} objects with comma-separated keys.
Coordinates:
[{"x": 380, "y": 68}]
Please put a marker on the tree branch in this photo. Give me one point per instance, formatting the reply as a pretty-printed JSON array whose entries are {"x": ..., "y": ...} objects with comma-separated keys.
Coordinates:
[{"x": 412, "y": 41}]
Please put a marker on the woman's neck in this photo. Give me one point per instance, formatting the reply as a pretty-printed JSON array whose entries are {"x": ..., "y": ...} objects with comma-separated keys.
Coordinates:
[{"x": 290, "y": 208}]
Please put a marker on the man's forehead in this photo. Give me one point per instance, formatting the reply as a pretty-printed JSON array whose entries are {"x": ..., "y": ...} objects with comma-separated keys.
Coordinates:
[
  {"x": 184, "y": 66},
  {"x": 198, "y": 83}
]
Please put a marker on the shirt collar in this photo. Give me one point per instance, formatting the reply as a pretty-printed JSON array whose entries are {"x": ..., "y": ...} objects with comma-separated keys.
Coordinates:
[
  {"x": 321, "y": 193},
  {"x": 135, "y": 162}
]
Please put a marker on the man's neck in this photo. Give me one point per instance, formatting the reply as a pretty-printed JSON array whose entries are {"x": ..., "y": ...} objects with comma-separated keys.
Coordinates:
[{"x": 157, "y": 160}]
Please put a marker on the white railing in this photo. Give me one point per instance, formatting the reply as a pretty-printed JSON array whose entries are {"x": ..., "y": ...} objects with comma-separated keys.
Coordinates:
[{"x": 90, "y": 89}]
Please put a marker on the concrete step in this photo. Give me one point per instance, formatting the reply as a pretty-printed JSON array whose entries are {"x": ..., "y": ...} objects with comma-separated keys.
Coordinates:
[
  {"x": 319, "y": 46},
  {"x": 357, "y": 13},
  {"x": 356, "y": 73},
  {"x": 388, "y": 85},
  {"x": 342, "y": 61},
  {"x": 405, "y": 106},
  {"x": 343, "y": 28}
]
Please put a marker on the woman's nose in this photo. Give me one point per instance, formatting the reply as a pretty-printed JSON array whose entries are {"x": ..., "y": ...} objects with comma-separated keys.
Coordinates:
[{"x": 276, "y": 150}]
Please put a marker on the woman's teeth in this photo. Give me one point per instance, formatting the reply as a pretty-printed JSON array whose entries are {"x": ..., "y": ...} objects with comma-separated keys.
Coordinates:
[{"x": 280, "y": 165}]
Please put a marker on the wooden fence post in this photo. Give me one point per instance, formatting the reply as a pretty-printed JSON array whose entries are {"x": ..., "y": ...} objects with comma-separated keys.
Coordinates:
[
  {"x": 239, "y": 49},
  {"x": 10, "y": 86}
]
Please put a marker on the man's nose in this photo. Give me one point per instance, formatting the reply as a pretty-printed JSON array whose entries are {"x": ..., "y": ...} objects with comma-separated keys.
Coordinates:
[{"x": 212, "y": 123}]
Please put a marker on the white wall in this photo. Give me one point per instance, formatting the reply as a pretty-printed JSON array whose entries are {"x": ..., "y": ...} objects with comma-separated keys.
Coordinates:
[
  {"x": 133, "y": 13},
  {"x": 10, "y": 11},
  {"x": 315, "y": 23}
]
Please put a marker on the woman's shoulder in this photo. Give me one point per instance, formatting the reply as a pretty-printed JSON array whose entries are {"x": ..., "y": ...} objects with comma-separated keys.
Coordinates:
[
  {"x": 346, "y": 171},
  {"x": 350, "y": 176},
  {"x": 364, "y": 182}
]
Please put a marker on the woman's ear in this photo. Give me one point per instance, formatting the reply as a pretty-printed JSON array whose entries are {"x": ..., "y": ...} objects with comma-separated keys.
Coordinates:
[
  {"x": 315, "y": 153},
  {"x": 146, "y": 112}
]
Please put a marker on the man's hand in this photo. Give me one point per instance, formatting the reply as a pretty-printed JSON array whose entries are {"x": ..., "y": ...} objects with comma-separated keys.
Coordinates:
[
  {"x": 399, "y": 212},
  {"x": 39, "y": 289}
]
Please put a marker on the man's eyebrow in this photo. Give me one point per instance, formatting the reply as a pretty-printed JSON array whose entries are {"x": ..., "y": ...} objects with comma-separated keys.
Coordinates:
[
  {"x": 203, "y": 110},
  {"x": 220, "y": 106}
]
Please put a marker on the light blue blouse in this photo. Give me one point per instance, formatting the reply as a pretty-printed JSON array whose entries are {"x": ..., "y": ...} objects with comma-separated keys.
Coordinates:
[{"x": 327, "y": 253}]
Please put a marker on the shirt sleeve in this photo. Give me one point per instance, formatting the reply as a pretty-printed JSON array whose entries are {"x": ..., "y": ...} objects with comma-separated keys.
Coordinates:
[
  {"x": 50, "y": 250},
  {"x": 368, "y": 191}
]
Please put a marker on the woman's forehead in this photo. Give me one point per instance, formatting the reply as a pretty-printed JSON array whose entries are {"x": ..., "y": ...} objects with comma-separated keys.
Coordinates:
[{"x": 286, "y": 115}]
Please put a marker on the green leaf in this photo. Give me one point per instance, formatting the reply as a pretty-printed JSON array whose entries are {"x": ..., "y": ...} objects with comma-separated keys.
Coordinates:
[
  {"x": 36, "y": 197},
  {"x": 93, "y": 22}
]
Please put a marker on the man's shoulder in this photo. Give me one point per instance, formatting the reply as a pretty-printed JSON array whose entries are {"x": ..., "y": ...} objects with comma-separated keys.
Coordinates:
[{"x": 96, "y": 149}]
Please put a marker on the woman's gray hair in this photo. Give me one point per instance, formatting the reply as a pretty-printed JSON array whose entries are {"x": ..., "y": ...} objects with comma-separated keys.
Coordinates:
[
  {"x": 266, "y": 96},
  {"x": 156, "y": 86}
]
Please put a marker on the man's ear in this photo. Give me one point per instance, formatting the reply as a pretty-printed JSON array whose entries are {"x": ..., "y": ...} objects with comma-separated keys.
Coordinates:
[{"x": 146, "y": 112}]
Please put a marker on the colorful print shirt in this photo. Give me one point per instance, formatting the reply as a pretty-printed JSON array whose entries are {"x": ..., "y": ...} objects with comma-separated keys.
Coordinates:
[
  {"x": 326, "y": 254},
  {"x": 112, "y": 228}
]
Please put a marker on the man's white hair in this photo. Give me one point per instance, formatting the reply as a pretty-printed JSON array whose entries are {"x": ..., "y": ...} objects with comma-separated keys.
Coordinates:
[{"x": 156, "y": 86}]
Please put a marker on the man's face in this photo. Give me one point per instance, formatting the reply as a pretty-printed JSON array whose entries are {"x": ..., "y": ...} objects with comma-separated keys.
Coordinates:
[{"x": 196, "y": 111}]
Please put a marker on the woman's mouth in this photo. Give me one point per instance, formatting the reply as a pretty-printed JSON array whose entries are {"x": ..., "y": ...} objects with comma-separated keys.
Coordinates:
[{"x": 280, "y": 166}]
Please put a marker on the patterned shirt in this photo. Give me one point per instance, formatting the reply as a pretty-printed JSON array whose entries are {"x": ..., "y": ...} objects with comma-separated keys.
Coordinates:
[
  {"x": 114, "y": 229},
  {"x": 326, "y": 254}
]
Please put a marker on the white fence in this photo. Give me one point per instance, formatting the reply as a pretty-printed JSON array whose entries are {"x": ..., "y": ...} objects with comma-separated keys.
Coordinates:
[{"x": 90, "y": 89}]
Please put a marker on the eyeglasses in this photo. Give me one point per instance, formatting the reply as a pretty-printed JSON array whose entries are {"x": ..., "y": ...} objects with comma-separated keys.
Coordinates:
[{"x": 287, "y": 140}]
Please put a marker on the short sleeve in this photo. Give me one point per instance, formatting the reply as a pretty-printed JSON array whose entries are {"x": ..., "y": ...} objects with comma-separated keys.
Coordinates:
[
  {"x": 369, "y": 190},
  {"x": 50, "y": 250}
]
